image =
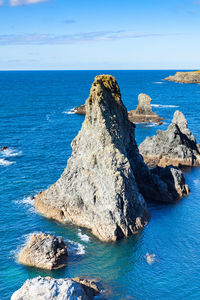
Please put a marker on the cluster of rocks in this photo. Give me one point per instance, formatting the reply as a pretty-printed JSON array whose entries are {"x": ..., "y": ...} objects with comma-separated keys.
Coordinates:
[
  {"x": 41, "y": 288},
  {"x": 175, "y": 146},
  {"x": 106, "y": 184},
  {"x": 185, "y": 77},
  {"x": 142, "y": 114}
]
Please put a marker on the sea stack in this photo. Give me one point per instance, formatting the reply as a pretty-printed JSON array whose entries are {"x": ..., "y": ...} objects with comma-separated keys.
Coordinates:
[
  {"x": 185, "y": 77},
  {"x": 143, "y": 113},
  {"x": 41, "y": 288},
  {"x": 175, "y": 146},
  {"x": 44, "y": 251},
  {"x": 106, "y": 180}
]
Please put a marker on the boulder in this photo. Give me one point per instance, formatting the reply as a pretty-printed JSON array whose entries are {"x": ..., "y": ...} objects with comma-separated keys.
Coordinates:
[
  {"x": 106, "y": 180},
  {"x": 44, "y": 251},
  {"x": 175, "y": 146},
  {"x": 143, "y": 112},
  {"x": 48, "y": 288},
  {"x": 185, "y": 77}
]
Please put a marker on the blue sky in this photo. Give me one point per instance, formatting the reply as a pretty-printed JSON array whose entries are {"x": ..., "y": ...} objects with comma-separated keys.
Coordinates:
[{"x": 99, "y": 34}]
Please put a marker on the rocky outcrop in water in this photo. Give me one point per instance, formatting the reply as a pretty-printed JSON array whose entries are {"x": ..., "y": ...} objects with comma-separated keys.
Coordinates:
[
  {"x": 175, "y": 146},
  {"x": 106, "y": 180},
  {"x": 143, "y": 112},
  {"x": 185, "y": 77},
  {"x": 44, "y": 251},
  {"x": 4, "y": 148},
  {"x": 48, "y": 288}
]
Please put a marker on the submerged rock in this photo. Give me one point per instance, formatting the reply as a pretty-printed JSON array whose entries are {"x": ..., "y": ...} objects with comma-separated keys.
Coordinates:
[
  {"x": 103, "y": 186},
  {"x": 4, "y": 148},
  {"x": 175, "y": 146},
  {"x": 143, "y": 112},
  {"x": 44, "y": 251},
  {"x": 48, "y": 288},
  {"x": 185, "y": 77}
]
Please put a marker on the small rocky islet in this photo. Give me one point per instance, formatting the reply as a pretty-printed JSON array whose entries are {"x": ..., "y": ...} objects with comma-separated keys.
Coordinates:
[
  {"x": 185, "y": 77},
  {"x": 104, "y": 187},
  {"x": 142, "y": 114}
]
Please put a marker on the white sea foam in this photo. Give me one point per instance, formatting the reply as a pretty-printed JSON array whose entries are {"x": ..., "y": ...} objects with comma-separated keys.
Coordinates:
[
  {"x": 10, "y": 152},
  {"x": 69, "y": 112},
  {"x": 196, "y": 181},
  {"x": 150, "y": 258},
  {"x": 6, "y": 163},
  {"x": 83, "y": 237},
  {"x": 152, "y": 125},
  {"x": 164, "y": 106},
  {"x": 28, "y": 202},
  {"x": 74, "y": 248},
  {"x": 158, "y": 82}
]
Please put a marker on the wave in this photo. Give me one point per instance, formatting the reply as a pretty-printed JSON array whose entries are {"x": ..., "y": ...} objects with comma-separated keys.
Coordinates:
[
  {"x": 10, "y": 152},
  {"x": 158, "y": 82},
  {"x": 69, "y": 112},
  {"x": 164, "y": 106},
  {"x": 83, "y": 237},
  {"x": 196, "y": 181},
  {"x": 6, "y": 163},
  {"x": 74, "y": 248},
  {"x": 28, "y": 202}
]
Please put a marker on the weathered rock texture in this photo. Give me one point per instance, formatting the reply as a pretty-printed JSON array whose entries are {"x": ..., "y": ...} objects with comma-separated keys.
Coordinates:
[
  {"x": 103, "y": 186},
  {"x": 143, "y": 112},
  {"x": 56, "y": 289},
  {"x": 185, "y": 77},
  {"x": 44, "y": 251},
  {"x": 176, "y": 146}
]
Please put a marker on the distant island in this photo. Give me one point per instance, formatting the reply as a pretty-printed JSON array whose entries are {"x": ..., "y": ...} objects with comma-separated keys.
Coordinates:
[{"x": 185, "y": 77}]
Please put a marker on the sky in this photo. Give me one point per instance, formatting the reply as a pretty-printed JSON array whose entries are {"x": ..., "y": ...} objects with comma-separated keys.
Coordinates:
[{"x": 99, "y": 34}]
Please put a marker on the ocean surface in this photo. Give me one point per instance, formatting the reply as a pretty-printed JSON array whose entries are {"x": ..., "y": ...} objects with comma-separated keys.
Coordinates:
[{"x": 37, "y": 125}]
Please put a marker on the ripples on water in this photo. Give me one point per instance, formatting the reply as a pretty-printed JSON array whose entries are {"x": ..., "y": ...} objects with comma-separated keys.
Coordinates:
[{"x": 39, "y": 134}]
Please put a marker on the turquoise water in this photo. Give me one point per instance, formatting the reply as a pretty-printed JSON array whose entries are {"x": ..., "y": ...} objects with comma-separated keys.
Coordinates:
[{"x": 38, "y": 128}]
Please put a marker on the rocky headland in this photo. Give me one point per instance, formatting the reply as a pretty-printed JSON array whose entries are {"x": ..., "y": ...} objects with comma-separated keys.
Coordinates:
[
  {"x": 142, "y": 114},
  {"x": 185, "y": 77},
  {"x": 44, "y": 251},
  {"x": 106, "y": 180},
  {"x": 40, "y": 288},
  {"x": 175, "y": 146}
]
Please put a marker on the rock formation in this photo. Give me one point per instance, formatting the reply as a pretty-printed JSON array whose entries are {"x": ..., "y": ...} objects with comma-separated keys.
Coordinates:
[
  {"x": 185, "y": 77},
  {"x": 175, "y": 146},
  {"x": 44, "y": 251},
  {"x": 103, "y": 185},
  {"x": 143, "y": 112},
  {"x": 48, "y": 288},
  {"x": 4, "y": 148}
]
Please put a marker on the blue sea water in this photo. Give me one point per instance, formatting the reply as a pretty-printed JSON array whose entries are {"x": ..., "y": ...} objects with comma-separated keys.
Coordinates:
[{"x": 36, "y": 125}]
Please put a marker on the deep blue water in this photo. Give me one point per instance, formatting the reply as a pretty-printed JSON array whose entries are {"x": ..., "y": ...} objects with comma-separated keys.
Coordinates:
[{"x": 34, "y": 124}]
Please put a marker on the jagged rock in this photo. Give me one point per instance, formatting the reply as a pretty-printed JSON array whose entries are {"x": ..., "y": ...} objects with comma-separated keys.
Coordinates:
[
  {"x": 48, "y": 288},
  {"x": 185, "y": 77},
  {"x": 143, "y": 112},
  {"x": 103, "y": 186},
  {"x": 4, "y": 148},
  {"x": 175, "y": 146},
  {"x": 44, "y": 251}
]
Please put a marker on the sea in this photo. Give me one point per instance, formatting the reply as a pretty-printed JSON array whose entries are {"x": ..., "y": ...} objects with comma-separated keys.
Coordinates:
[{"x": 37, "y": 125}]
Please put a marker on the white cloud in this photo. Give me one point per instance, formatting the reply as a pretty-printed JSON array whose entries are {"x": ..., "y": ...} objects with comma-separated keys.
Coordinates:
[
  {"x": 1, "y": 2},
  {"x": 25, "y": 2}
]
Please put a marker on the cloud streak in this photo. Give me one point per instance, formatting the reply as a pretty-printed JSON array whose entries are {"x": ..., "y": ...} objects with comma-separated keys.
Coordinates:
[
  {"x": 1, "y": 2},
  {"x": 52, "y": 39},
  {"x": 25, "y": 2}
]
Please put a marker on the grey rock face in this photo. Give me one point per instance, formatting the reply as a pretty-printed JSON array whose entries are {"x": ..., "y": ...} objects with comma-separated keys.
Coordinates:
[
  {"x": 185, "y": 77},
  {"x": 106, "y": 180},
  {"x": 143, "y": 112},
  {"x": 54, "y": 289},
  {"x": 175, "y": 146},
  {"x": 44, "y": 251}
]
